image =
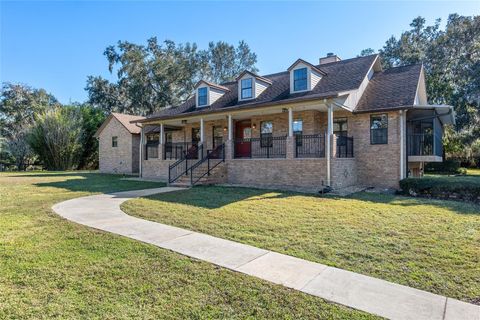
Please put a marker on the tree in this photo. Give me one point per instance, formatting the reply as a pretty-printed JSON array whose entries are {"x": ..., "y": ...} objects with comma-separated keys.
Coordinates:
[
  {"x": 366, "y": 52},
  {"x": 19, "y": 149},
  {"x": 92, "y": 119},
  {"x": 225, "y": 62},
  {"x": 155, "y": 76},
  {"x": 56, "y": 137},
  {"x": 18, "y": 105}
]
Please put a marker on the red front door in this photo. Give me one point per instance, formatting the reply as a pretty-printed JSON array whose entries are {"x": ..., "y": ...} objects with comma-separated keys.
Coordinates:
[{"x": 243, "y": 132}]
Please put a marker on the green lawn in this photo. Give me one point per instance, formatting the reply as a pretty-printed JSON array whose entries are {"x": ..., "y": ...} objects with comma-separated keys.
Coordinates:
[
  {"x": 53, "y": 268},
  {"x": 427, "y": 244}
]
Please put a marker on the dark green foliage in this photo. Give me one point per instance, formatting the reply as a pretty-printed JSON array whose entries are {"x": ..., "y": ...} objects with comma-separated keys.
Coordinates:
[
  {"x": 443, "y": 187},
  {"x": 92, "y": 119},
  {"x": 449, "y": 166}
]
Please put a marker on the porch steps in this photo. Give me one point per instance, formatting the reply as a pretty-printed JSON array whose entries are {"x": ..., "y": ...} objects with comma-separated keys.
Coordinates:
[{"x": 217, "y": 175}]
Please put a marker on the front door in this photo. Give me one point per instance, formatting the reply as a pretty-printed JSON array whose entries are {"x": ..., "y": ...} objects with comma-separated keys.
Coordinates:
[{"x": 243, "y": 134}]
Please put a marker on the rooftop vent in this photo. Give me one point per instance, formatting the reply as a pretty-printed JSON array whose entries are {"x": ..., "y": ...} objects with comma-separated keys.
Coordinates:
[{"x": 331, "y": 57}]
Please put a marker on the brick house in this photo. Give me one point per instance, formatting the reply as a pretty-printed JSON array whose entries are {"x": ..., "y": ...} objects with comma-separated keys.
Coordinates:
[
  {"x": 119, "y": 144},
  {"x": 337, "y": 123}
]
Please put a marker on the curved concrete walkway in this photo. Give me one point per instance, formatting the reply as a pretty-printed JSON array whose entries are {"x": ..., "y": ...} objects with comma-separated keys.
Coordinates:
[{"x": 354, "y": 290}]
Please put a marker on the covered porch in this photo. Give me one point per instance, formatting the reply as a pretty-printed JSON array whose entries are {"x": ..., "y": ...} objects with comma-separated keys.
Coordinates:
[{"x": 307, "y": 131}]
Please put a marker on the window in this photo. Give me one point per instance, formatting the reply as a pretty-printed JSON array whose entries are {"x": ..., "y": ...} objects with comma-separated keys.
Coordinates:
[
  {"x": 340, "y": 127},
  {"x": 300, "y": 79},
  {"x": 246, "y": 88},
  {"x": 202, "y": 96},
  {"x": 298, "y": 131},
  {"x": 195, "y": 136},
  {"x": 114, "y": 142},
  {"x": 266, "y": 129},
  {"x": 379, "y": 129},
  {"x": 153, "y": 138},
  {"x": 217, "y": 136}
]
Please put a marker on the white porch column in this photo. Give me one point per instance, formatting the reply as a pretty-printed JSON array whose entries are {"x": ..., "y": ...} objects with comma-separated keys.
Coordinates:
[
  {"x": 162, "y": 134},
  {"x": 142, "y": 148},
  {"x": 230, "y": 127},
  {"x": 329, "y": 142},
  {"x": 290, "y": 122},
  {"x": 402, "y": 142},
  {"x": 202, "y": 131}
]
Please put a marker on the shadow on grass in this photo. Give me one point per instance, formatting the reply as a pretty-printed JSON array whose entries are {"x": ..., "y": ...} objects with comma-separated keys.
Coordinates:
[
  {"x": 92, "y": 182},
  {"x": 213, "y": 197}
]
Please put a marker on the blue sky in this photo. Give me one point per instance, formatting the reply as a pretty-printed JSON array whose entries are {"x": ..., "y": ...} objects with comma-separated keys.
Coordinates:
[{"x": 56, "y": 45}]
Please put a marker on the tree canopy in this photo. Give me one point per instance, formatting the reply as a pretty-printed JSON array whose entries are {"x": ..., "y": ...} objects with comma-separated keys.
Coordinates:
[{"x": 153, "y": 76}]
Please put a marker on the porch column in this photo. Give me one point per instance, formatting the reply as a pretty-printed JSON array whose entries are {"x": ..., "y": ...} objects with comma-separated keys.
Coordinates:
[
  {"x": 329, "y": 142},
  {"x": 142, "y": 150},
  {"x": 229, "y": 142},
  {"x": 290, "y": 143},
  {"x": 202, "y": 139},
  {"x": 402, "y": 143},
  {"x": 161, "y": 142}
]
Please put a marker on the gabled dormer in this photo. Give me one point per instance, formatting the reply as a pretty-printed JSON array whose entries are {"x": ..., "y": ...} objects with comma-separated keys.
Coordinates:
[
  {"x": 206, "y": 93},
  {"x": 251, "y": 86},
  {"x": 304, "y": 76}
]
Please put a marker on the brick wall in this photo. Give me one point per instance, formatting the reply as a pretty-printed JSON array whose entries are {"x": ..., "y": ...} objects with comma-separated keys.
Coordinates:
[
  {"x": 156, "y": 169},
  {"x": 119, "y": 159}
]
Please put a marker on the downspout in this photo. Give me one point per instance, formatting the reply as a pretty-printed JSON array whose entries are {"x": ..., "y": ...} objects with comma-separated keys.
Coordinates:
[{"x": 402, "y": 143}]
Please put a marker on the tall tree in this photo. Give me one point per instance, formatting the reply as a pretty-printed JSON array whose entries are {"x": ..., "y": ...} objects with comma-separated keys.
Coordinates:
[{"x": 153, "y": 76}]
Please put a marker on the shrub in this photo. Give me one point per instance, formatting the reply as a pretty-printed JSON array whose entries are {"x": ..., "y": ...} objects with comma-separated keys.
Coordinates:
[
  {"x": 449, "y": 166},
  {"x": 442, "y": 187}
]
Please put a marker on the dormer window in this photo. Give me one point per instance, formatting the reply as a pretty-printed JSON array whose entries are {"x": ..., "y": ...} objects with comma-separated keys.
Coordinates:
[
  {"x": 202, "y": 96},
  {"x": 304, "y": 76},
  {"x": 247, "y": 85},
  {"x": 300, "y": 79}
]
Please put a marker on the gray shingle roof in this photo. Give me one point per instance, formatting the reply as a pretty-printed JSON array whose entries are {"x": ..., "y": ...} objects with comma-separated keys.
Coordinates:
[
  {"x": 390, "y": 89},
  {"x": 339, "y": 76}
]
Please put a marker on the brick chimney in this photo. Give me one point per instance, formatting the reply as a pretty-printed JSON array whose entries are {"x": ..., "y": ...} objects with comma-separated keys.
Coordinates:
[{"x": 331, "y": 57}]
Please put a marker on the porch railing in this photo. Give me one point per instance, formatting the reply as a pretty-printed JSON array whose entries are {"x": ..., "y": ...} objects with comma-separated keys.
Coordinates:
[
  {"x": 212, "y": 159},
  {"x": 265, "y": 147},
  {"x": 424, "y": 144},
  {"x": 310, "y": 146},
  {"x": 183, "y": 165},
  {"x": 344, "y": 147},
  {"x": 178, "y": 150}
]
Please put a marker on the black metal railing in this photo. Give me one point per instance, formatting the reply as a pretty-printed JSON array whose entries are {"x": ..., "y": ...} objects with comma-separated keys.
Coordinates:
[
  {"x": 183, "y": 165},
  {"x": 424, "y": 144},
  {"x": 265, "y": 147},
  {"x": 151, "y": 150},
  {"x": 212, "y": 159},
  {"x": 344, "y": 147},
  {"x": 177, "y": 150},
  {"x": 310, "y": 146}
]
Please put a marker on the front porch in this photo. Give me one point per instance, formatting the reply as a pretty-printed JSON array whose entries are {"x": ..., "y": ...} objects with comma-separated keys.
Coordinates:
[{"x": 282, "y": 139}]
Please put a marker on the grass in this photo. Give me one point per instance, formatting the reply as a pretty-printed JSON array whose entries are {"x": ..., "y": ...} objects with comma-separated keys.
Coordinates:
[
  {"x": 53, "y": 268},
  {"x": 427, "y": 244}
]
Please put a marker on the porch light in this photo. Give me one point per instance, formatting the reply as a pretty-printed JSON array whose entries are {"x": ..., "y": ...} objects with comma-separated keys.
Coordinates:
[
  {"x": 225, "y": 129},
  {"x": 254, "y": 126}
]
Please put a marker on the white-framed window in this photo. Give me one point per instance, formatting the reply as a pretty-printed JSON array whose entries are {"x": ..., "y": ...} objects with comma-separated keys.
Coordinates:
[
  {"x": 246, "y": 88},
  {"x": 300, "y": 82},
  {"x": 202, "y": 96}
]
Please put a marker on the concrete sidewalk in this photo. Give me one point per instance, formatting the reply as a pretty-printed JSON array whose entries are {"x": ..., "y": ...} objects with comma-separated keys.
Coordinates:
[{"x": 351, "y": 289}]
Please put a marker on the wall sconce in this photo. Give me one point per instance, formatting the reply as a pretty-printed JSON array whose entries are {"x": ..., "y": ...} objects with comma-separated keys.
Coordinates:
[
  {"x": 254, "y": 126},
  {"x": 225, "y": 129}
]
